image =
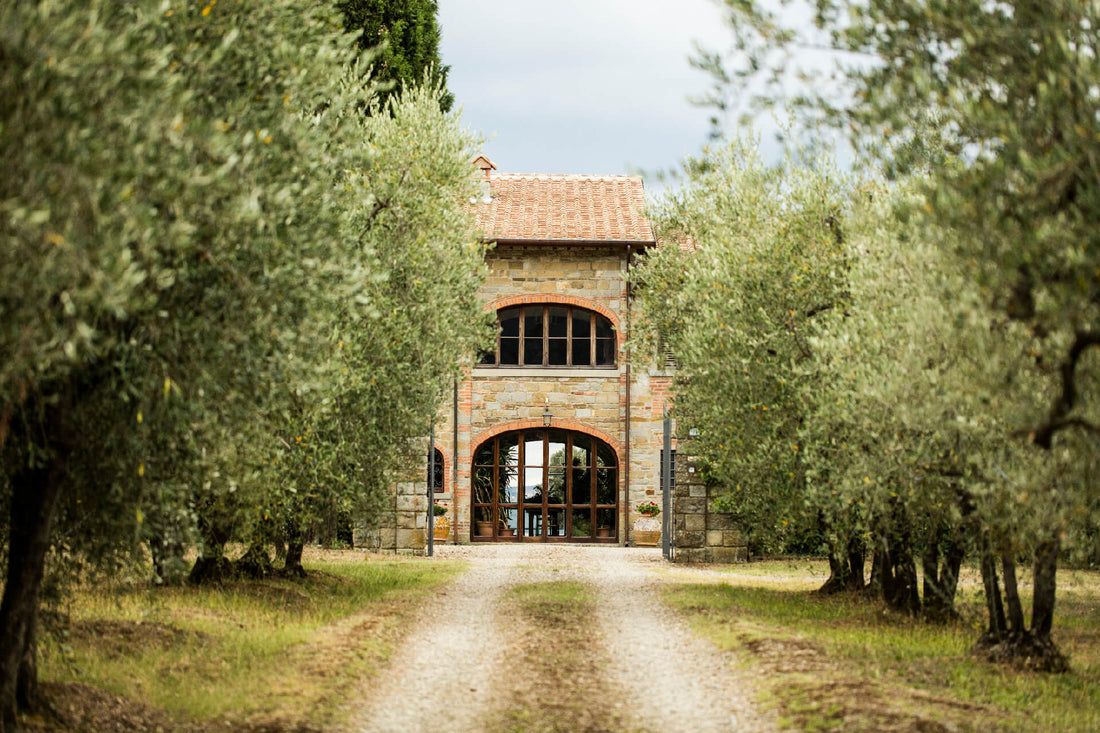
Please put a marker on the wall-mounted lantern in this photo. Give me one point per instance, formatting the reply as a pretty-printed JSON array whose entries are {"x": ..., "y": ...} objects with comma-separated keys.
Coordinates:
[{"x": 546, "y": 416}]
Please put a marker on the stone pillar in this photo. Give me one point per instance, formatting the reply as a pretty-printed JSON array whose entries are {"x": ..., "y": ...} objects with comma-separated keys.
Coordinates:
[
  {"x": 401, "y": 525},
  {"x": 701, "y": 533}
]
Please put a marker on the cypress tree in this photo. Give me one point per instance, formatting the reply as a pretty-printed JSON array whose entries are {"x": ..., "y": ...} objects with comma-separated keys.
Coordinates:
[{"x": 406, "y": 38}]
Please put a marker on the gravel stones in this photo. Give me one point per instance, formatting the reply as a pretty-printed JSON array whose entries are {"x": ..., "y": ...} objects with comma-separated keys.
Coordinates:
[{"x": 447, "y": 675}]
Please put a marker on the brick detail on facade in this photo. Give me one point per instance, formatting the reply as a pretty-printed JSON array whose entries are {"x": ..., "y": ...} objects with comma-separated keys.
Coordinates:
[
  {"x": 556, "y": 299},
  {"x": 559, "y": 424}
]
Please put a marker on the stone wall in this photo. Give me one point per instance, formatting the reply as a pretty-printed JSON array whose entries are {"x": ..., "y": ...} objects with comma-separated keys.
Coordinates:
[
  {"x": 702, "y": 534},
  {"x": 402, "y": 526}
]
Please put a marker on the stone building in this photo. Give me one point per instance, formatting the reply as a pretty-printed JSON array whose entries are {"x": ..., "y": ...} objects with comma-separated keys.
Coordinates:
[{"x": 553, "y": 435}]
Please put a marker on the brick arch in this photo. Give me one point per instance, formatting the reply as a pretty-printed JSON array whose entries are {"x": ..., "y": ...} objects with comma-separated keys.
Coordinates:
[
  {"x": 573, "y": 425},
  {"x": 557, "y": 298}
]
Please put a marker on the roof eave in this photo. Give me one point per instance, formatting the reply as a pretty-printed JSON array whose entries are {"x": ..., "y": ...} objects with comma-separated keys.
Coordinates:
[{"x": 640, "y": 243}]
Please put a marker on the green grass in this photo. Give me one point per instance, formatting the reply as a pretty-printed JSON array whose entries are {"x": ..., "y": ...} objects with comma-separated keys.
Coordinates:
[
  {"x": 846, "y": 663},
  {"x": 247, "y": 650}
]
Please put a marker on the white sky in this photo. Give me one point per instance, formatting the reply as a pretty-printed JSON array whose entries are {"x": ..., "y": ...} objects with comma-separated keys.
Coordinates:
[{"x": 580, "y": 86}]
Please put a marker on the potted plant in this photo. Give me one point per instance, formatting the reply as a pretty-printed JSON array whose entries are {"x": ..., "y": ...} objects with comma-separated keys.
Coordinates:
[
  {"x": 647, "y": 528},
  {"x": 484, "y": 527}
]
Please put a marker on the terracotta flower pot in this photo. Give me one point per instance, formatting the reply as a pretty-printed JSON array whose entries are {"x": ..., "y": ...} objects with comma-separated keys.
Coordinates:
[
  {"x": 484, "y": 529},
  {"x": 441, "y": 528},
  {"x": 647, "y": 531}
]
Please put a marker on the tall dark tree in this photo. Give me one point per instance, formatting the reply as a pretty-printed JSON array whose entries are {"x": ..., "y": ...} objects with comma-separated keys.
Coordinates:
[{"x": 406, "y": 38}]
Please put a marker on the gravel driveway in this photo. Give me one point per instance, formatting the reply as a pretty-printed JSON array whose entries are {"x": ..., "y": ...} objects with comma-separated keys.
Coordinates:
[{"x": 656, "y": 676}]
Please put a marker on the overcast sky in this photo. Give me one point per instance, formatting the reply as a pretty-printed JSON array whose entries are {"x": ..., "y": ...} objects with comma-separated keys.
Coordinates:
[{"x": 580, "y": 86}]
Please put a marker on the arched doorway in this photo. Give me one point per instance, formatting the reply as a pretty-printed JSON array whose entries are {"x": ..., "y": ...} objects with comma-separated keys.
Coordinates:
[{"x": 545, "y": 484}]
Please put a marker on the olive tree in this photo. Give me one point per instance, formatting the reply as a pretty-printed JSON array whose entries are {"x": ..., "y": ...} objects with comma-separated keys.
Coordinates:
[
  {"x": 182, "y": 218},
  {"x": 1010, "y": 89},
  {"x": 393, "y": 345},
  {"x": 765, "y": 258}
]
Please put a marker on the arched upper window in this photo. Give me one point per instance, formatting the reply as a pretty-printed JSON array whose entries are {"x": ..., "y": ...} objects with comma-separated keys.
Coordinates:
[{"x": 546, "y": 335}]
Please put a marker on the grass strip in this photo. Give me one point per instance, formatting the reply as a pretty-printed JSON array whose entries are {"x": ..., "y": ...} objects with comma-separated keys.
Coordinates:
[
  {"x": 559, "y": 686},
  {"x": 245, "y": 654},
  {"x": 844, "y": 662}
]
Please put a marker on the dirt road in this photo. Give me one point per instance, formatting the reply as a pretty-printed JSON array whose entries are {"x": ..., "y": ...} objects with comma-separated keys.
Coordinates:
[{"x": 557, "y": 638}]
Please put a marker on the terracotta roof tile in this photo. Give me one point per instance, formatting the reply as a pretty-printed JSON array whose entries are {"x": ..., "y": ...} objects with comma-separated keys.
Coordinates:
[{"x": 565, "y": 208}]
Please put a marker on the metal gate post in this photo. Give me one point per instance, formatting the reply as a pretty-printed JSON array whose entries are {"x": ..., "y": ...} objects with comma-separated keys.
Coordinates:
[
  {"x": 431, "y": 489},
  {"x": 666, "y": 489}
]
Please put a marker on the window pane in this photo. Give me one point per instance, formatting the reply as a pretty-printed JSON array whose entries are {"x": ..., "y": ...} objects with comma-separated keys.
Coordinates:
[
  {"x": 557, "y": 448},
  {"x": 605, "y": 485},
  {"x": 555, "y": 480},
  {"x": 487, "y": 357},
  {"x": 581, "y": 327},
  {"x": 555, "y": 522},
  {"x": 574, "y": 476},
  {"x": 532, "y": 449},
  {"x": 532, "y": 485},
  {"x": 559, "y": 322},
  {"x": 603, "y": 328},
  {"x": 582, "y": 352},
  {"x": 557, "y": 352},
  {"x": 483, "y": 485},
  {"x": 605, "y": 522},
  {"x": 509, "y": 484},
  {"x": 509, "y": 322},
  {"x": 532, "y": 522},
  {"x": 605, "y": 352},
  {"x": 509, "y": 450},
  {"x": 508, "y": 521},
  {"x": 532, "y": 351},
  {"x": 582, "y": 485},
  {"x": 509, "y": 351},
  {"x": 532, "y": 322},
  {"x": 582, "y": 523},
  {"x": 582, "y": 450}
]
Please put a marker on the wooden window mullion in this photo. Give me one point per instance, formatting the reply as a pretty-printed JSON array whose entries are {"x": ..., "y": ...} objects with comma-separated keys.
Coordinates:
[
  {"x": 569, "y": 336},
  {"x": 594, "y": 327},
  {"x": 546, "y": 335},
  {"x": 522, "y": 333}
]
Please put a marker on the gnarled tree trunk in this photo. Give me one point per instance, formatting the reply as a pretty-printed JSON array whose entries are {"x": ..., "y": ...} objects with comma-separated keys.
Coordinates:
[
  {"x": 845, "y": 568},
  {"x": 941, "y": 570},
  {"x": 295, "y": 542},
  {"x": 899, "y": 568},
  {"x": 994, "y": 605},
  {"x": 35, "y": 492},
  {"x": 255, "y": 563},
  {"x": 1014, "y": 608}
]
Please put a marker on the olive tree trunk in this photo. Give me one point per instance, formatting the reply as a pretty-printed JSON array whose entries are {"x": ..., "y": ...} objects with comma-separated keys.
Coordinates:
[{"x": 35, "y": 493}]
